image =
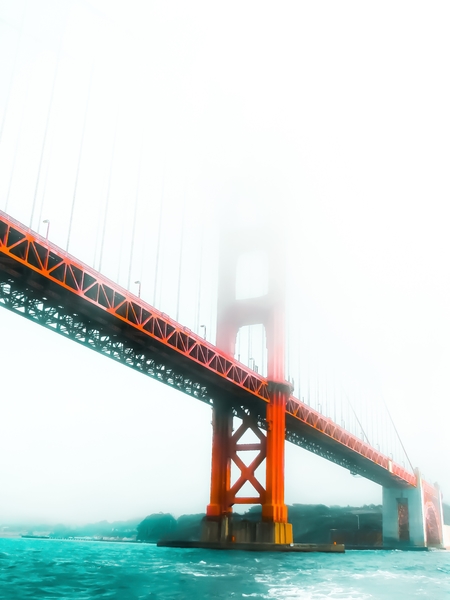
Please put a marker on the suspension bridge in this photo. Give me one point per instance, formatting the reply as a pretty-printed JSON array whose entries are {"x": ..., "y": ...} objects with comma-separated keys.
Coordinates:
[{"x": 44, "y": 283}]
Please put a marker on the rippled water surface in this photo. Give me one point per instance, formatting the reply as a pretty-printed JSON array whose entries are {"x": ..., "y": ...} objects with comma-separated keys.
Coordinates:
[{"x": 81, "y": 570}]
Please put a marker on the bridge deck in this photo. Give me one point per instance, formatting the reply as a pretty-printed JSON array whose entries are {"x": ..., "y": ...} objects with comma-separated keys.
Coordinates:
[{"x": 44, "y": 283}]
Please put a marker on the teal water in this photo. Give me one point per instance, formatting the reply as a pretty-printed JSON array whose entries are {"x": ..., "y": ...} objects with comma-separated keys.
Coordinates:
[{"x": 83, "y": 570}]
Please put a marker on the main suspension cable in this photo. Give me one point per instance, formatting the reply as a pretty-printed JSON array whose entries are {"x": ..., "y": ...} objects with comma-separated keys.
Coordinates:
[{"x": 356, "y": 416}]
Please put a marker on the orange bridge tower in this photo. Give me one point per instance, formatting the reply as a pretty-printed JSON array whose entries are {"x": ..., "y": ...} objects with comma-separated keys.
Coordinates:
[{"x": 267, "y": 425}]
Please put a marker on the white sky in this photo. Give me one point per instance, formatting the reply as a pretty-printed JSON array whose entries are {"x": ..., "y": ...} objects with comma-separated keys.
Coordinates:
[{"x": 332, "y": 115}]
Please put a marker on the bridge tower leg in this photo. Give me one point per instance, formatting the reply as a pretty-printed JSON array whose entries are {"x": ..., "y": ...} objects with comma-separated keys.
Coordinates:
[
  {"x": 216, "y": 526},
  {"x": 275, "y": 528},
  {"x": 413, "y": 517},
  {"x": 232, "y": 314}
]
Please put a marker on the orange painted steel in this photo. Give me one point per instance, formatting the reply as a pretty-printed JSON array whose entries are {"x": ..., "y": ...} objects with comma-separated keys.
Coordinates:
[
  {"x": 23, "y": 249},
  {"x": 225, "y": 448},
  {"x": 331, "y": 432},
  {"x": 247, "y": 473},
  {"x": 222, "y": 423},
  {"x": 267, "y": 309},
  {"x": 38, "y": 254},
  {"x": 233, "y": 313},
  {"x": 274, "y": 508}
]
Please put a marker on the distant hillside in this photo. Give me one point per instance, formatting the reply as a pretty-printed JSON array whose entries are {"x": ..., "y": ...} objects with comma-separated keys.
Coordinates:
[
  {"x": 311, "y": 523},
  {"x": 315, "y": 523},
  {"x": 164, "y": 526},
  {"x": 116, "y": 529}
]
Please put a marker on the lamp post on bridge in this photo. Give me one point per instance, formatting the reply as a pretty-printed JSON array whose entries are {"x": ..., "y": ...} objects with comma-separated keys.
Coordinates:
[
  {"x": 139, "y": 287},
  {"x": 48, "y": 227},
  {"x": 204, "y": 331}
]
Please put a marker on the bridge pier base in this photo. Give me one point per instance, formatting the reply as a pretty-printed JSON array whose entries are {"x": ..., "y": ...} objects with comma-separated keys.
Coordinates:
[
  {"x": 412, "y": 517},
  {"x": 225, "y": 531}
]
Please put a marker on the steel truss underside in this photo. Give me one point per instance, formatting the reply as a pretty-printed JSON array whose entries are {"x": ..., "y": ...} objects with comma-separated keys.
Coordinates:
[
  {"x": 27, "y": 303},
  {"x": 45, "y": 285}
]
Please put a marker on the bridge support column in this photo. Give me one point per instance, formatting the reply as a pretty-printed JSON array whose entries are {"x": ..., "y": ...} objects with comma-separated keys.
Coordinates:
[
  {"x": 412, "y": 517},
  {"x": 220, "y": 462},
  {"x": 274, "y": 527},
  {"x": 216, "y": 525},
  {"x": 403, "y": 520}
]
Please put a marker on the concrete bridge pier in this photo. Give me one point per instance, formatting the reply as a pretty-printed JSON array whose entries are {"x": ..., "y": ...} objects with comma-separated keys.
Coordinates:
[{"x": 413, "y": 517}]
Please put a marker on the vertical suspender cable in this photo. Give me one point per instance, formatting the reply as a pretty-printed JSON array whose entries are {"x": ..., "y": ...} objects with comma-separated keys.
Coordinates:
[
  {"x": 97, "y": 234},
  {"x": 158, "y": 239},
  {"x": 238, "y": 345},
  {"x": 13, "y": 70},
  {"x": 334, "y": 395},
  {"x": 376, "y": 434},
  {"x": 300, "y": 363},
  {"x": 105, "y": 215},
  {"x": 180, "y": 261},
  {"x": 79, "y": 156},
  {"x": 356, "y": 418},
  {"x": 119, "y": 261},
  {"x": 263, "y": 351},
  {"x": 318, "y": 391},
  {"x": 212, "y": 321},
  {"x": 136, "y": 201},
  {"x": 146, "y": 218},
  {"x": 287, "y": 342},
  {"x": 199, "y": 284},
  {"x": 213, "y": 292},
  {"x": 16, "y": 147},
  {"x": 45, "y": 185},
  {"x": 250, "y": 355},
  {"x": 308, "y": 382},
  {"x": 47, "y": 122}
]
